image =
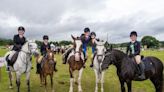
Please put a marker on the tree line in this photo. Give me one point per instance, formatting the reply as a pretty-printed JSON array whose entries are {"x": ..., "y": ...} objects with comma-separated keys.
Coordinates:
[{"x": 146, "y": 41}]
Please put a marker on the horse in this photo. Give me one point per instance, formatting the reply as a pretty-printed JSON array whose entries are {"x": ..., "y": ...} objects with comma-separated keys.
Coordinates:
[
  {"x": 47, "y": 69},
  {"x": 127, "y": 69},
  {"x": 22, "y": 64},
  {"x": 97, "y": 61},
  {"x": 76, "y": 62}
]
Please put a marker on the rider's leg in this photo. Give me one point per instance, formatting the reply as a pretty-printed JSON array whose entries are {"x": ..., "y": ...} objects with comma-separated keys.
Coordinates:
[
  {"x": 38, "y": 66},
  {"x": 92, "y": 58},
  {"x": 55, "y": 65},
  {"x": 66, "y": 54},
  {"x": 141, "y": 66}
]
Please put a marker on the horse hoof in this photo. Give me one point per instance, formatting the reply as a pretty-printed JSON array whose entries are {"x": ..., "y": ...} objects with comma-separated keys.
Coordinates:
[
  {"x": 10, "y": 87},
  {"x": 80, "y": 91},
  {"x": 53, "y": 91}
]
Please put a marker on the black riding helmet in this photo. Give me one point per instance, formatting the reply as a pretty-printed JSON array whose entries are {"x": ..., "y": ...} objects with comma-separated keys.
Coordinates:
[
  {"x": 93, "y": 33},
  {"x": 86, "y": 29},
  {"x": 21, "y": 28},
  {"x": 133, "y": 33},
  {"x": 45, "y": 37}
]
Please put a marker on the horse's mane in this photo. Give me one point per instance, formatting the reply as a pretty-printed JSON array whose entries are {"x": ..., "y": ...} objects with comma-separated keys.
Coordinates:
[{"x": 127, "y": 63}]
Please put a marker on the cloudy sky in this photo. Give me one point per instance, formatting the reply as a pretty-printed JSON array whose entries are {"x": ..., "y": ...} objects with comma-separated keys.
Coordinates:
[{"x": 61, "y": 18}]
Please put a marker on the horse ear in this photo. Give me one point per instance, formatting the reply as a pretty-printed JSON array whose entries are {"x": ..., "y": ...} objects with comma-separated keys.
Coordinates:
[
  {"x": 104, "y": 42},
  {"x": 73, "y": 37},
  {"x": 96, "y": 41},
  {"x": 111, "y": 47},
  {"x": 47, "y": 50}
]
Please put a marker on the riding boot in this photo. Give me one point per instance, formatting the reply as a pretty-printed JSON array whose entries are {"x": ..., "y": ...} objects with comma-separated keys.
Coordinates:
[
  {"x": 66, "y": 55},
  {"x": 91, "y": 63},
  {"x": 142, "y": 69},
  {"x": 92, "y": 60},
  {"x": 38, "y": 66},
  {"x": 55, "y": 67}
]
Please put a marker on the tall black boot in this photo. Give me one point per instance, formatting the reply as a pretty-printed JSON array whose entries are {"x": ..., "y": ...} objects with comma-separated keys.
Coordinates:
[
  {"x": 55, "y": 67},
  {"x": 38, "y": 66},
  {"x": 142, "y": 69}
]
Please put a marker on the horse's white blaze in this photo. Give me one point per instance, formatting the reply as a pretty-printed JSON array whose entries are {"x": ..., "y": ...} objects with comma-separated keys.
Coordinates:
[
  {"x": 77, "y": 49},
  {"x": 78, "y": 45}
]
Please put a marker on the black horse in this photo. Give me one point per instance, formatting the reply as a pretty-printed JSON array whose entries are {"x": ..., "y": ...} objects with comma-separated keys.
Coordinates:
[{"x": 127, "y": 69}]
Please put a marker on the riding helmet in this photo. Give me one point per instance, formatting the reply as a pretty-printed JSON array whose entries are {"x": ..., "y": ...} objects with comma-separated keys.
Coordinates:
[
  {"x": 21, "y": 28},
  {"x": 93, "y": 33},
  {"x": 45, "y": 37},
  {"x": 86, "y": 29},
  {"x": 133, "y": 33}
]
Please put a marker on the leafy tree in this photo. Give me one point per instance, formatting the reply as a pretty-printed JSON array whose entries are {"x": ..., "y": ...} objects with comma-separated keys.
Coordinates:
[{"x": 150, "y": 42}]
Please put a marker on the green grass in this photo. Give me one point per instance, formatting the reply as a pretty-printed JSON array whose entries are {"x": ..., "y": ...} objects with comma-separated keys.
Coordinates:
[{"x": 61, "y": 78}]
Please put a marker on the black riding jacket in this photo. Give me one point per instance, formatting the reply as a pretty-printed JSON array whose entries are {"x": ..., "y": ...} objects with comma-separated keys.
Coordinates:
[
  {"x": 18, "y": 42},
  {"x": 133, "y": 49},
  {"x": 43, "y": 48}
]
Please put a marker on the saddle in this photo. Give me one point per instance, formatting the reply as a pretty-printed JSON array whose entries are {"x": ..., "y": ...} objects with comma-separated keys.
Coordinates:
[
  {"x": 148, "y": 67},
  {"x": 13, "y": 59}
]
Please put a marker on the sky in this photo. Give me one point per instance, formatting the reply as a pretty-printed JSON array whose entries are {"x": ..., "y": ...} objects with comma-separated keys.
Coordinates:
[{"x": 61, "y": 18}]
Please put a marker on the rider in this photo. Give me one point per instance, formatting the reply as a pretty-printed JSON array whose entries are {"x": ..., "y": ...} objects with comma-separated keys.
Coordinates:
[
  {"x": 134, "y": 49},
  {"x": 93, "y": 38},
  {"x": 19, "y": 40},
  {"x": 45, "y": 45},
  {"x": 86, "y": 38}
]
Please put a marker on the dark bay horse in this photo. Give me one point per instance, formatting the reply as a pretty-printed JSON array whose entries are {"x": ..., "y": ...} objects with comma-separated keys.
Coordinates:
[
  {"x": 127, "y": 69},
  {"x": 76, "y": 62},
  {"x": 47, "y": 69}
]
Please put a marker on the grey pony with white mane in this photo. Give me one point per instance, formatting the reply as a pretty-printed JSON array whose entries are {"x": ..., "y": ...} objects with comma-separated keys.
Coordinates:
[
  {"x": 97, "y": 61},
  {"x": 23, "y": 64}
]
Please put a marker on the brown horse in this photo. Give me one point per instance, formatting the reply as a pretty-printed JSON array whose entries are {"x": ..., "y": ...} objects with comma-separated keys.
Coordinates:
[
  {"x": 47, "y": 69},
  {"x": 76, "y": 62}
]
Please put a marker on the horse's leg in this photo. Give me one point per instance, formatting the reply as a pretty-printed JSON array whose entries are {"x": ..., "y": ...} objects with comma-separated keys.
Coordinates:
[
  {"x": 158, "y": 83},
  {"x": 122, "y": 84},
  {"x": 28, "y": 80},
  {"x": 79, "y": 80},
  {"x": 97, "y": 80},
  {"x": 102, "y": 81},
  {"x": 129, "y": 85},
  {"x": 45, "y": 80},
  {"x": 18, "y": 81},
  {"x": 71, "y": 80},
  {"x": 52, "y": 86},
  {"x": 10, "y": 78}
]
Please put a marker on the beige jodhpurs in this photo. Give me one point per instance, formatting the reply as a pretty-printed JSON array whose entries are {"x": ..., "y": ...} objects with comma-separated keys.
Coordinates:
[{"x": 138, "y": 59}]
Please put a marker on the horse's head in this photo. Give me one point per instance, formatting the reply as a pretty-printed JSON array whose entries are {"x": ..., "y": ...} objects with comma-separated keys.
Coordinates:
[
  {"x": 50, "y": 54},
  {"x": 77, "y": 45},
  {"x": 100, "y": 49},
  {"x": 109, "y": 58},
  {"x": 30, "y": 47}
]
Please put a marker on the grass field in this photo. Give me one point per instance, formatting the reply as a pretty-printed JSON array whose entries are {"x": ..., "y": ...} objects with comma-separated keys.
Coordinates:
[{"x": 61, "y": 78}]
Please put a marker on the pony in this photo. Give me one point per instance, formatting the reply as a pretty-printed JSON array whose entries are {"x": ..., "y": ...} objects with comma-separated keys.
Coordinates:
[
  {"x": 76, "y": 62},
  {"x": 127, "y": 69},
  {"x": 23, "y": 64},
  {"x": 97, "y": 61}
]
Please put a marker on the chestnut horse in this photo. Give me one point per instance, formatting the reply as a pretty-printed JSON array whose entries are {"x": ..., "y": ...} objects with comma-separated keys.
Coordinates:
[{"x": 47, "y": 68}]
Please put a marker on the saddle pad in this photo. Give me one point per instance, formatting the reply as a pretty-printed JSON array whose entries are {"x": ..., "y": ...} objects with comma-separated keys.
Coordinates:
[{"x": 148, "y": 64}]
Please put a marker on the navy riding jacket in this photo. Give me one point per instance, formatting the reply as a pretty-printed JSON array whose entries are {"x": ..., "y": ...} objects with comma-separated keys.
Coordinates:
[
  {"x": 43, "y": 48},
  {"x": 133, "y": 49},
  {"x": 18, "y": 42}
]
